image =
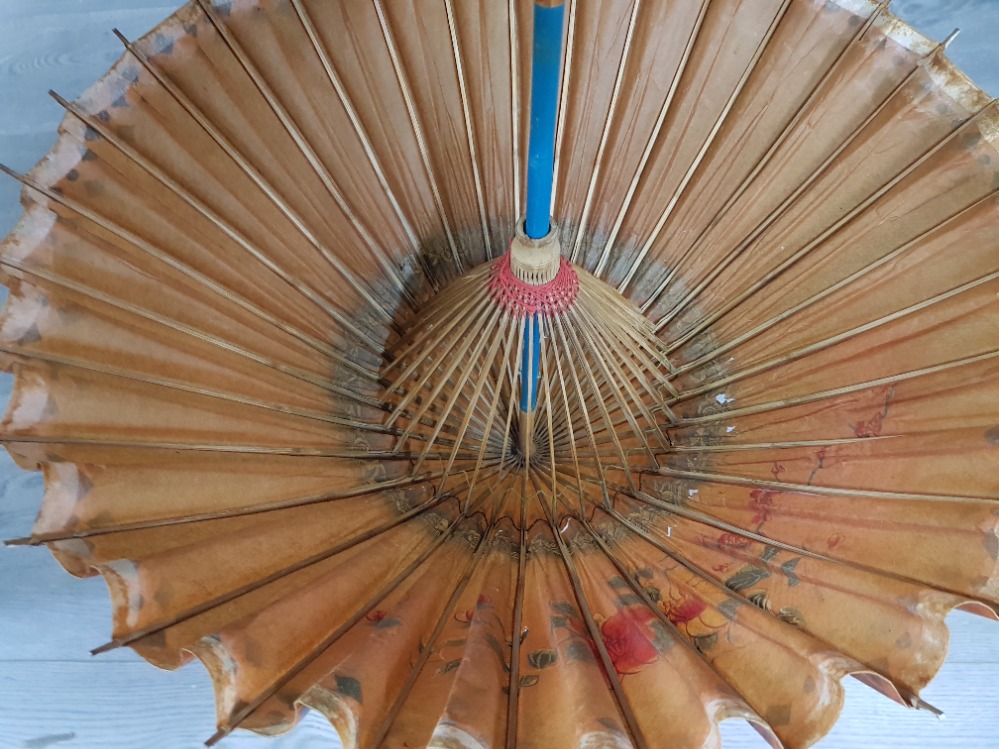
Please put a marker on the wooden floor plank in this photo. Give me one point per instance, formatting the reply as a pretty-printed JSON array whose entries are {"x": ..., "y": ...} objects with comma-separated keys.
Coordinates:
[{"x": 123, "y": 705}]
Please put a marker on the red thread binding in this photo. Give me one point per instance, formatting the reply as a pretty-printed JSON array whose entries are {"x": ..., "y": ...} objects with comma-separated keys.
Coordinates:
[{"x": 520, "y": 298}]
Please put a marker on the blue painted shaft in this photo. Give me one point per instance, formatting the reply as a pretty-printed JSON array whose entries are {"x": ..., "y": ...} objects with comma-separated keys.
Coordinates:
[
  {"x": 529, "y": 369},
  {"x": 545, "y": 65}
]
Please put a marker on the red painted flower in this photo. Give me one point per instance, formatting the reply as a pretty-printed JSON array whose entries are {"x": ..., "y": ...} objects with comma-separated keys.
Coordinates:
[
  {"x": 762, "y": 504},
  {"x": 376, "y": 616},
  {"x": 466, "y": 616},
  {"x": 685, "y": 610},
  {"x": 869, "y": 428},
  {"x": 688, "y": 608},
  {"x": 628, "y": 639},
  {"x": 732, "y": 540}
]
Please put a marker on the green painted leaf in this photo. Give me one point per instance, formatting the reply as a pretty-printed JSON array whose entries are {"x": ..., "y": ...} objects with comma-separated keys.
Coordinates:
[
  {"x": 792, "y": 616},
  {"x": 618, "y": 582},
  {"x": 630, "y": 599},
  {"x": 991, "y": 545},
  {"x": 610, "y": 724},
  {"x": 579, "y": 650},
  {"x": 663, "y": 637},
  {"x": 778, "y": 715},
  {"x": 495, "y": 645},
  {"x": 653, "y": 593},
  {"x": 706, "y": 642},
  {"x": 644, "y": 572},
  {"x": 349, "y": 686},
  {"x": 542, "y": 658},
  {"x": 729, "y": 608},
  {"x": 528, "y": 681},
  {"x": 386, "y": 623},
  {"x": 559, "y": 621},
  {"x": 747, "y": 577},
  {"x": 449, "y": 666},
  {"x": 759, "y": 600},
  {"x": 788, "y": 569},
  {"x": 564, "y": 607},
  {"x": 769, "y": 552}
]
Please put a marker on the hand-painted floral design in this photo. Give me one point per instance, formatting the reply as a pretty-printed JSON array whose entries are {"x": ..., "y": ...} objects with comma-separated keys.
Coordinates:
[
  {"x": 683, "y": 609},
  {"x": 820, "y": 463},
  {"x": 466, "y": 616},
  {"x": 731, "y": 541},
  {"x": 628, "y": 638},
  {"x": 692, "y": 614},
  {"x": 870, "y": 427},
  {"x": 381, "y": 619},
  {"x": 762, "y": 504},
  {"x": 490, "y": 630},
  {"x": 632, "y": 637},
  {"x": 792, "y": 616},
  {"x": 577, "y": 643},
  {"x": 761, "y": 599}
]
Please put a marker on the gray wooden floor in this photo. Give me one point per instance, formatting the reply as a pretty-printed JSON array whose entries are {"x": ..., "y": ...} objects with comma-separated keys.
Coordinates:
[{"x": 53, "y": 694}]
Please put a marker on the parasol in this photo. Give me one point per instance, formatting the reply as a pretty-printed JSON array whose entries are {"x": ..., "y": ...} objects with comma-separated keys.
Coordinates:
[{"x": 793, "y": 435}]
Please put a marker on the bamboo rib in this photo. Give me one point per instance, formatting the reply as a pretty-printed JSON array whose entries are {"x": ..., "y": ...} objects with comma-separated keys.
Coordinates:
[
  {"x": 362, "y": 135},
  {"x": 605, "y": 134},
  {"x": 515, "y": 635},
  {"x": 893, "y": 256},
  {"x": 777, "y": 405},
  {"x": 664, "y": 620},
  {"x": 418, "y": 133},
  {"x": 653, "y": 139},
  {"x": 198, "y": 205},
  {"x": 631, "y": 722},
  {"x": 909, "y": 697},
  {"x": 760, "y": 165},
  {"x": 801, "y": 188},
  {"x": 857, "y": 210},
  {"x": 712, "y": 134},
  {"x": 199, "y": 278},
  {"x": 221, "y": 600},
  {"x": 708, "y": 520},
  {"x": 835, "y": 339},
  {"x": 428, "y": 649},
  {"x": 469, "y": 129},
  {"x": 183, "y": 387},
  {"x": 416, "y": 345},
  {"x": 563, "y": 98},
  {"x": 818, "y": 489},
  {"x": 515, "y": 106},
  {"x": 307, "y": 151},
  {"x": 254, "y": 174},
  {"x": 831, "y": 231},
  {"x": 245, "y": 711}
]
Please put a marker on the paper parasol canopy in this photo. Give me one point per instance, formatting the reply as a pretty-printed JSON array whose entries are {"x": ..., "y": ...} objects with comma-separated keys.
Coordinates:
[{"x": 267, "y": 346}]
